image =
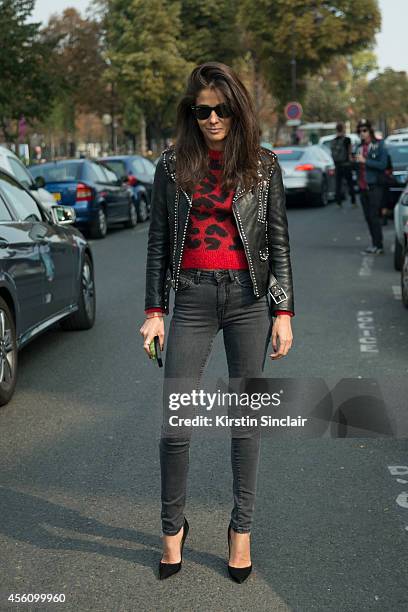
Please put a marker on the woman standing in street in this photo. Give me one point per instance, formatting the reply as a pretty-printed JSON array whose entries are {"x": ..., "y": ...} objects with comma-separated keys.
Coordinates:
[{"x": 219, "y": 236}]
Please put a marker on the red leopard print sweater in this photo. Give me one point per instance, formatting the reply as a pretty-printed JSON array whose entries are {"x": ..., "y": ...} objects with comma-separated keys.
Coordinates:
[{"x": 212, "y": 238}]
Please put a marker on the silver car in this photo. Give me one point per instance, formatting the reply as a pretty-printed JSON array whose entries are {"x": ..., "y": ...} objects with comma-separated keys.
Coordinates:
[
  {"x": 401, "y": 228},
  {"x": 308, "y": 172},
  {"x": 11, "y": 163}
]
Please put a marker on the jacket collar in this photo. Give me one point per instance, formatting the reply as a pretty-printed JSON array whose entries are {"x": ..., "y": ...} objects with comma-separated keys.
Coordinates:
[{"x": 267, "y": 161}]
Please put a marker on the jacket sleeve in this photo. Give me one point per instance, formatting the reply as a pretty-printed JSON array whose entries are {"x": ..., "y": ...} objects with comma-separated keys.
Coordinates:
[
  {"x": 381, "y": 162},
  {"x": 278, "y": 240},
  {"x": 158, "y": 245}
]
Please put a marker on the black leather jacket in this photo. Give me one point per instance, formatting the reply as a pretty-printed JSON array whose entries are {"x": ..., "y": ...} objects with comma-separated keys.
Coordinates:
[{"x": 260, "y": 214}]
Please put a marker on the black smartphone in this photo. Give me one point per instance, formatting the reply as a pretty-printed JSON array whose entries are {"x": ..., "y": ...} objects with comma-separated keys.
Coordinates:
[{"x": 157, "y": 350}]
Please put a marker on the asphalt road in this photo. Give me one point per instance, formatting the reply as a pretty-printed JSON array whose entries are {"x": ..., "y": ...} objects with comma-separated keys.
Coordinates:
[{"x": 79, "y": 468}]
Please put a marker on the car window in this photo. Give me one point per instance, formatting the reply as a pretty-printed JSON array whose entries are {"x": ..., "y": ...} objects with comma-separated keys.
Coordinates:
[
  {"x": 321, "y": 154},
  {"x": 58, "y": 172},
  {"x": 117, "y": 166},
  {"x": 25, "y": 205},
  {"x": 99, "y": 173},
  {"x": 20, "y": 172},
  {"x": 149, "y": 167},
  {"x": 138, "y": 167},
  {"x": 399, "y": 154},
  {"x": 4, "y": 212},
  {"x": 112, "y": 177}
]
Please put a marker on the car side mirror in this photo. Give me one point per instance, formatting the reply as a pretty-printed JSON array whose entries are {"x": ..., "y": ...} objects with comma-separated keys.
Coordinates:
[
  {"x": 63, "y": 215},
  {"x": 40, "y": 182}
]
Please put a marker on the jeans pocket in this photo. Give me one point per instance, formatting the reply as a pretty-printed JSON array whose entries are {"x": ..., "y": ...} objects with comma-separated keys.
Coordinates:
[
  {"x": 185, "y": 281},
  {"x": 243, "y": 279}
]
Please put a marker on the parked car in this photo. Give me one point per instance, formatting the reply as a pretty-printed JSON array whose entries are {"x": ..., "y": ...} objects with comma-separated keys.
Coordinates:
[
  {"x": 325, "y": 141},
  {"x": 404, "y": 271},
  {"x": 99, "y": 198},
  {"x": 399, "y": 174},
  {"x": 400, "y": 224},
  {"x": 46, "y": 275},
  {"x": 11, "y": 163},
  {"x": 401, "y": 138},
  {"x": 308, "y": 172},
  {"x": 139, "y": 174}
]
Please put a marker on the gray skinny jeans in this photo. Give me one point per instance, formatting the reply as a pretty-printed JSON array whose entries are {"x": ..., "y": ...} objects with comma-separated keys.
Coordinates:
[{"x": 205, "y": 302}]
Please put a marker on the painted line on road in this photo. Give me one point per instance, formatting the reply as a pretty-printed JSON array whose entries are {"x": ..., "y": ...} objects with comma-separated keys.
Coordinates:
[
  {"x": 402, "y": 498},
  {"x": 396, "y": 291},
  {"x": 366, "y": 267},
  {"x": 367, "y": 335}
]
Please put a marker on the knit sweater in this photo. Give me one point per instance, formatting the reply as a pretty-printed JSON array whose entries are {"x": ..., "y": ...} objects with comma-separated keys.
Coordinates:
[{"x": 212, "y": 239}]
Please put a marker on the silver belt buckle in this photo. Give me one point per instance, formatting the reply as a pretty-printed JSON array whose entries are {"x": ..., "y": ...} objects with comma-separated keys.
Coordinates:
[{"x": 277, "y": 294}]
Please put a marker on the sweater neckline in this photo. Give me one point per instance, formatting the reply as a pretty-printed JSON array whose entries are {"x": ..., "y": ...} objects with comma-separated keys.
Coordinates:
[{"x": 214, "y": 154}]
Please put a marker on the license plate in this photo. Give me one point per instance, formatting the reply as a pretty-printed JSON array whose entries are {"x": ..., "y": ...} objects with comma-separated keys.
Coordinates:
[{"x": 57, "y": 196}]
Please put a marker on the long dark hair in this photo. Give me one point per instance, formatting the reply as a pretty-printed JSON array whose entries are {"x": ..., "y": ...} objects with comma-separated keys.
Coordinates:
[{"x": 241, "y": 152}]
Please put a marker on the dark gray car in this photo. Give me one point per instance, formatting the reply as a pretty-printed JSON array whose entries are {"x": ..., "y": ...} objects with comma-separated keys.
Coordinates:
[{"x": 46, "y": 275}]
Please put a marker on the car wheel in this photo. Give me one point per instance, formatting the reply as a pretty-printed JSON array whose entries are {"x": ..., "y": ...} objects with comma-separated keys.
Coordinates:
[
  {"x": 404, "y": 278},
  {"x": 132, "y": 221},
  {"x": 99, "y": 227},
  {"x": 398, "y": 255},
  {"x": 84, "y": 317},
  {"x": 143, "y": 211},
  {"x": 8, "y": 354},
  {"x": 323, "y": 197}
]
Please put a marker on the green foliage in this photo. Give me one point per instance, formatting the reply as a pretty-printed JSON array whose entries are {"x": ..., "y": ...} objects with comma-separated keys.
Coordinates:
[
  {"x": 385, "y": 98},
  {"x": 78, "y": 63},
  {"x": 25, "y": 60},
  {"x": 145, "y": 50},
  {"x": 313, "y": 32},
  {"x": 210, "y": 30}
]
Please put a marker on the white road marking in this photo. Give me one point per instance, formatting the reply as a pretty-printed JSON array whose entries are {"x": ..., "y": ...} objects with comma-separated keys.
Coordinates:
[
  {"x": 396, "y": 291},
  {"x": 367, "y": 333},
  {"x": 366, "y": 265},
  {"x": 402, "y": 498},
  {"x": 398, "y": 470}
]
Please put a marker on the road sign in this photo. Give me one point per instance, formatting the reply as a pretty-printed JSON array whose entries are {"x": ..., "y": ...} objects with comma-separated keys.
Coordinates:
[
  {"x": 293, "y": 110},
  {"x": 293, "y": 122}
]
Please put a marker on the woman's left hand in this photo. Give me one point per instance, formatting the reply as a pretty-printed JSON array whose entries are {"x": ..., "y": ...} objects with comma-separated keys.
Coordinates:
[{"x": 282, "y": 336}]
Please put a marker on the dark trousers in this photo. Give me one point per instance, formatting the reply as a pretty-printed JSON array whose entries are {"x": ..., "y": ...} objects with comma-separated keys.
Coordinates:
[
  {"x": 207, "y": 301},
  {"x": 371, "y": 200},
  {"x": 343, "y": 171}
]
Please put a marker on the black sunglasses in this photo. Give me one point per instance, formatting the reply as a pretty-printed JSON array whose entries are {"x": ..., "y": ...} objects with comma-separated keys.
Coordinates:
[
  {"x": 202, "y": 111},
  {"x": 363, "y": 130}
]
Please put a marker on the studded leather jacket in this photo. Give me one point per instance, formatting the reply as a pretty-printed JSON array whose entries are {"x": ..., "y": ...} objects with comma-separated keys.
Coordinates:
[{"x": 260, "y": 214}]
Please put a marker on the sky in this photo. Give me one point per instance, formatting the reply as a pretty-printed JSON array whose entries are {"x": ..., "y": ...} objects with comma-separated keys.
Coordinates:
[{"x": 392, "y": 42}]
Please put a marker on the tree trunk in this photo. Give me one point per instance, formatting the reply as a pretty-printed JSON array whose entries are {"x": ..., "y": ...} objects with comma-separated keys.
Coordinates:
[{"x": 143, "y": 135}]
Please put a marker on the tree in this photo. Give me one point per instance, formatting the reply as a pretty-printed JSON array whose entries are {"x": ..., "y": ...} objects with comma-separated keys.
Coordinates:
[
  {"x": 311, "y": 33},
  {"x": 144, "y": 47},
  {"x": 26, "y": 89},
  {"x": 385, "y": 99},
  {"x": 78, "y": 60},
  {"x": 210, "y": 30}
]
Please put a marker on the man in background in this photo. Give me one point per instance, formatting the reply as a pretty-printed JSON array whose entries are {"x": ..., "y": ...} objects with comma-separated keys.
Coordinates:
[
  {"x": 342, "y": 156},
  {"x": 372, "y": 162}
]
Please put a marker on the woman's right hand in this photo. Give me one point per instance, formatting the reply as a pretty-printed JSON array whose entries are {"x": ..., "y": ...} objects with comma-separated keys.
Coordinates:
[{"x": 153, "y": 326}]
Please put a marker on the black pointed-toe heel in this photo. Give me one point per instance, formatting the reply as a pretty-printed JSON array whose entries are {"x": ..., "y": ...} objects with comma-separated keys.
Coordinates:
[
  {"x": 239, "y": 574},
  {"x": 168, "y": 569}
]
